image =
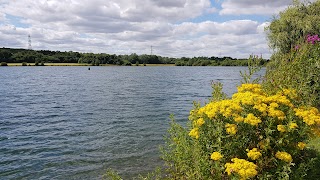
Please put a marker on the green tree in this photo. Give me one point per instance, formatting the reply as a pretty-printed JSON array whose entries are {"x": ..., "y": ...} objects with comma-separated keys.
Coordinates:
[
  {"x": 133, "y": 58},
  {"x": 292, "y": 25},
  {"x": 5, "y": 55}
]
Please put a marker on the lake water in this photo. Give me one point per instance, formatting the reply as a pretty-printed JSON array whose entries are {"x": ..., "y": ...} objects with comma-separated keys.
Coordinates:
[{"x": 72, "y": 123}]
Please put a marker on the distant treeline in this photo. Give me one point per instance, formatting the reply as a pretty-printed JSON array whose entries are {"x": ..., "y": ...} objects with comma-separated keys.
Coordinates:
[{"x": 10, "y": 55}]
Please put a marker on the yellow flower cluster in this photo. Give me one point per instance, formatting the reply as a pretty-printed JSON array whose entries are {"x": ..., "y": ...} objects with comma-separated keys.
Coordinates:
[
  {"x": 293, "y": 125},
  {"x": 259, "y": 116},
  {"x": 284, "y": 156},
  {"x": 251, "y": 119},
  {"x": 248, "y": 94},
  {"x": 231, "y": 128},
  {"x": 254, "y": 154},
  {"x": 194, "y": 133},
  {"x": 281, "y": 128},
  {"x": 216, "y": 156},
  {"x": 301, "y": 145},
  {"x": 256, "y": 88},
  {"x": 199, "y": 122},
  {"x": 242, "y": 167},
  {"x": 310, "y": 116}
]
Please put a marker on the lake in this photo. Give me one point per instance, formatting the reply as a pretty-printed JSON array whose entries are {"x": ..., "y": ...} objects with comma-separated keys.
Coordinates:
[{"x": 75, "y": 123}]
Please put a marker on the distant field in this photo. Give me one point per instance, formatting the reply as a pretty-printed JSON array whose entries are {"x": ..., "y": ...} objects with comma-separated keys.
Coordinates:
[{"x": 76, "y": 64}]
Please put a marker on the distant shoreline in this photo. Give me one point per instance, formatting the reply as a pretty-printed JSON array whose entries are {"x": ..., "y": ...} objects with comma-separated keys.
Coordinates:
[{"x": 77, "y": 64}]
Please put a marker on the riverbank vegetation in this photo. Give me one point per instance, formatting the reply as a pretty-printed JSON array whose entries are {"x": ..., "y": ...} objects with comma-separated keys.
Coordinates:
[
  {"x": 20, "y": 56},
  {"x": 270, "y": 128}
]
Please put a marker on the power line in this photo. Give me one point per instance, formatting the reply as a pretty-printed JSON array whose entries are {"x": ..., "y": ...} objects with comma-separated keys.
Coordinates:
[{"x": 29, "y": 42}]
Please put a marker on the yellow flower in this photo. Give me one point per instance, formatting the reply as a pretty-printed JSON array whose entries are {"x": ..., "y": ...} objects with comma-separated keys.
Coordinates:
[
  {"x": 238, "y": 119},
  {"x": 262, "y": 108},
  {"x": 293, "y": 125},
  {"x": 216, "y": 156},
  {"x": 310, "y": 116},
  {"x": 242, "y": 167},
  {"x": 276, "y": 113},
  {"x": 291, "y": 93},
  {"x": 284, "y": 156},
  {"x": 254, "y": 154},
  {"x": 251, "y": 119},
  {"x": 274, "y": 105},
  {"x": 281, "y": 128},
  {"x": 301, "y": 145},
  {"x": 200, "y": 122},
  {"x": 194, "y": 133},
  {"x": 231, "y": 128},
  {"x": 255, "y": 88},
  {"x": 211, "y": 109}
]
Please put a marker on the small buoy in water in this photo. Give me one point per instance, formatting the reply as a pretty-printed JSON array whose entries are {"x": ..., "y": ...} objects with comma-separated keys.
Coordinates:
[{"x": 88, "y": 68}]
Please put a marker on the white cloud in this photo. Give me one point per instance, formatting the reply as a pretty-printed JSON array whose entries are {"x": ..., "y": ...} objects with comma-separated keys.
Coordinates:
[
  {"x": 262, "y": 7},
  {"x": 254, "y": 7},
  {"x": 2, "y": 17},
  {"x": 131, "y": 26}
]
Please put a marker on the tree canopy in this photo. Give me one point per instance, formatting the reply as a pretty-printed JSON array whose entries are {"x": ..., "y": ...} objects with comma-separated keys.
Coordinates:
[
  {"x": 11, "y": 55},
  {"x": 292, "y": 25}
]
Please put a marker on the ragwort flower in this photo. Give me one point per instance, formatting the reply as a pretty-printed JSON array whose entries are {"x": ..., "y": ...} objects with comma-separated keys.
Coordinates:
[
  {"x": 301, "y": 145},
  {"x": 231, "y": 128},
  {"x": 216, "y": 156},
  {"x": 242, "y": 167},
  {"x": 194, "y": 133},
  {"x": 284, "y": 156},
  {"x": 254, "y": 154}
]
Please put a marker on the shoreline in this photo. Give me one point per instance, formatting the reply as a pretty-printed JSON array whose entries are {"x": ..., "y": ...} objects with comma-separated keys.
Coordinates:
[{"x": 77, "y": 64}]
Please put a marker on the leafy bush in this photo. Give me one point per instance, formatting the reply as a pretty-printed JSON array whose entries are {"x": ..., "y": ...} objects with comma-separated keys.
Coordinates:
[
  {"x": 4, "y": 64},
  {"x": 24, "y": 64},
  {"x": 254, "y": 134},
  {"x": 299, "y": 70}
]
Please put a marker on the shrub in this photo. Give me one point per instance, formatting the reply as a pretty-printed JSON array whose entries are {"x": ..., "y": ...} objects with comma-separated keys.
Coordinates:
[
  {"x": 254, "y": 134},
  {"x": 24, "y": 64},
  {"x": 4, "y": 64},
  {"x": 299, "y": 70}
]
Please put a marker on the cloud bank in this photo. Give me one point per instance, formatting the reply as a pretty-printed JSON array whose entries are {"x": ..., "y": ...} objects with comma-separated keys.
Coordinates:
[{"x": 133, "y": 26}]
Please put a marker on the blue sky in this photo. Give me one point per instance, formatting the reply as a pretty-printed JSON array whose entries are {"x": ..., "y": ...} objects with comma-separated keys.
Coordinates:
[{"x": 175, "y": 28}]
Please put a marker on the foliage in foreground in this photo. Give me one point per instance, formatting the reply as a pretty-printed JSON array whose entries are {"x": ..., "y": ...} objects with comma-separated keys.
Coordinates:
[{"x": 252, "y": 135}]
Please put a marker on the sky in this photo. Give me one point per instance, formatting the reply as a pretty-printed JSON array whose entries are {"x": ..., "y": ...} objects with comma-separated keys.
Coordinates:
[{"x": 170, "y": 28}]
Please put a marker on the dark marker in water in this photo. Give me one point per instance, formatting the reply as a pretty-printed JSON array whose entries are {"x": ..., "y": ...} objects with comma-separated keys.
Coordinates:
[{"x": 88, "y": 68}]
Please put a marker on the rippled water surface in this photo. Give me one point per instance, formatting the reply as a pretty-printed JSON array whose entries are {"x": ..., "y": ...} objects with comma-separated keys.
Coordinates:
[{"x": 72, "y": 123}]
